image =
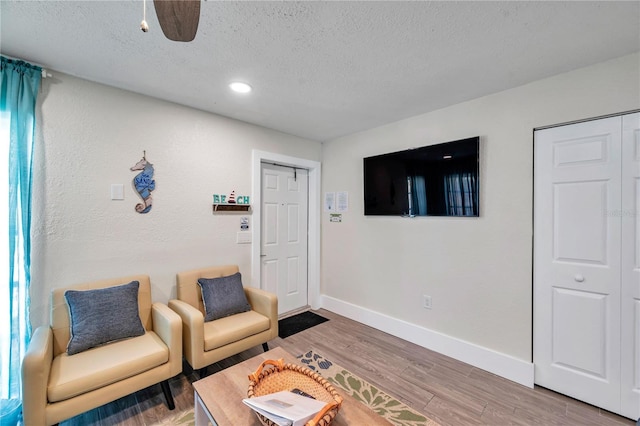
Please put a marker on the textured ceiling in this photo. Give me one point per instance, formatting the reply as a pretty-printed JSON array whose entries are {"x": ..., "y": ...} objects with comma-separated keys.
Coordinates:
[{"x": 322, "y": 69}]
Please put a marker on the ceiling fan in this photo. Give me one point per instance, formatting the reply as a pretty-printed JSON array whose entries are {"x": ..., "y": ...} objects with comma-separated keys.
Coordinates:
[{"x": 178, "y": 18}]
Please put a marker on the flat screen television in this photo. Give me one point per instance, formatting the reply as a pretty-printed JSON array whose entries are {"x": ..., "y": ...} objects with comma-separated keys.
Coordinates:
[{"x": 434, "y": 180}]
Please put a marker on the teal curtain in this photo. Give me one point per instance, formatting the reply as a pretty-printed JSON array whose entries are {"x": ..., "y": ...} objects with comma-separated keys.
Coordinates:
[{"x": 19, "y": 83}]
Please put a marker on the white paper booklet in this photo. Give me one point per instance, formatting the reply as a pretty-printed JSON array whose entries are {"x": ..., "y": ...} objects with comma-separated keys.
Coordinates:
[{"x": 286, "y": 408}]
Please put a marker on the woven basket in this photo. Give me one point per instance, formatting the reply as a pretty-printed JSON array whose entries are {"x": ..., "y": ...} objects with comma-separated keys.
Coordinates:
[{"x": 289, "y": 376}]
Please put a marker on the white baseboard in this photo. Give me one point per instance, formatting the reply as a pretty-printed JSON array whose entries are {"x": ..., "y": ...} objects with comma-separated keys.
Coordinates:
[{"x": 503, "y": 365}]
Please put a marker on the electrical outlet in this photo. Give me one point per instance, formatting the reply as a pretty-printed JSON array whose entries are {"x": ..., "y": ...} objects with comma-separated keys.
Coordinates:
[{"x": 426, "y": 301}]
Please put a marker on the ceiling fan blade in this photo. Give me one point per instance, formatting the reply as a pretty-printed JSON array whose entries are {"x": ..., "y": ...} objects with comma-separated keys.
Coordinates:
[{"x": 178, "y": 18}]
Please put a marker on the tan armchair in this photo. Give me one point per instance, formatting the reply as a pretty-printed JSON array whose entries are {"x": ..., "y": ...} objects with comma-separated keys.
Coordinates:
[
  {"x": 57, "y": 386},
  {"x": 207, "y": 342}
]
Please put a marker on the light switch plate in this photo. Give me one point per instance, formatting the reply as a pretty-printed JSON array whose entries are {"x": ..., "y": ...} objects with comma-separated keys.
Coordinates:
[
  {"x": 243, "y": 237},
  {"x": 117, "y": 191}
]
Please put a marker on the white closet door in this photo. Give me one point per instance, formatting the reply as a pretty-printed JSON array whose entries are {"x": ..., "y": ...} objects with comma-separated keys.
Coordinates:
[
  {"x": 577, "y": 261},
  {"x": 630, "y": 216}
]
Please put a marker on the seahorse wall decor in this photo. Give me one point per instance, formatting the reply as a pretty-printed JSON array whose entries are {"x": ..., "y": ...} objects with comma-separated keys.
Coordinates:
[{"x": 144, "y": 183}]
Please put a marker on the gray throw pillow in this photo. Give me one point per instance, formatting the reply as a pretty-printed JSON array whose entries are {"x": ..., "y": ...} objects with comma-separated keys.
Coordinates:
[
  {"x": 223, "y": 296},
  {"x": 103, "y": 315}
]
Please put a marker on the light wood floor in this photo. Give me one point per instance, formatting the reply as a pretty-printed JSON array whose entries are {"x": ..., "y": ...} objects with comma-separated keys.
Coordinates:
[{"x": 446, "y": 390}]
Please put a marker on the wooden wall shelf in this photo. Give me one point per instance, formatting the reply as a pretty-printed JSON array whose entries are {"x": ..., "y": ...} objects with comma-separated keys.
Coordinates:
[{"x": 231, "y": 207}]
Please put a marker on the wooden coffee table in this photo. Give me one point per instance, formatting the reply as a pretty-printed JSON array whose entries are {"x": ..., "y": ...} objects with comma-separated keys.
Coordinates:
[{"x": 218, "y": 398}]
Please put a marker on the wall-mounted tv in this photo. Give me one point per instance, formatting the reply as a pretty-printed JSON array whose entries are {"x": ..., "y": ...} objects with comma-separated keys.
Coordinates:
[{"x": 434, "y": 180}]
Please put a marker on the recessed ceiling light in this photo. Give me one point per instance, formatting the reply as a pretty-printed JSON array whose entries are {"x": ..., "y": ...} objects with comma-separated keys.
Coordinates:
[
  {"x": 240, "y": 87},
  {"x": 447, "y": 157}
]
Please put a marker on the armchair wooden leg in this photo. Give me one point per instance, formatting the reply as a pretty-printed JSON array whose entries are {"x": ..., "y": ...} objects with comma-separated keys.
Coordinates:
[
  {"x": 166, "y": 389},
  {"x": 265, "y": 346}
]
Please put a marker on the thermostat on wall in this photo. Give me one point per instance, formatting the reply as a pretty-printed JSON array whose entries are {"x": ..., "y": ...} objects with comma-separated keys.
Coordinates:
[{"x": 244, "y": 223}]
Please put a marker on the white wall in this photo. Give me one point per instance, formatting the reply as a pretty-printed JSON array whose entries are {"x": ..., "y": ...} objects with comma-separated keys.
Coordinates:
[
  {"x": 477, "y": 270},
  {"x": 89, "y": 135}
]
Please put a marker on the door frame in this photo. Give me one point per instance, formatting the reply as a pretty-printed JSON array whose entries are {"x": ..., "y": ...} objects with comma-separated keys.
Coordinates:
[{"x": 313, "y": 226}]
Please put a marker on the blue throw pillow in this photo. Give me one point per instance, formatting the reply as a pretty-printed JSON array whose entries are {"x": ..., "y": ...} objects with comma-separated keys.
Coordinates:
[
  {"x": 103, "y": 315},
  {"x": 223, "y": 296}
]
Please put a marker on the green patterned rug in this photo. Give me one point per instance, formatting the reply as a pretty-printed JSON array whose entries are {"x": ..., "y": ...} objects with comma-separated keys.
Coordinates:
[
  {"x": 385, "y": 405},
  {"x": 396, "y": 412}
]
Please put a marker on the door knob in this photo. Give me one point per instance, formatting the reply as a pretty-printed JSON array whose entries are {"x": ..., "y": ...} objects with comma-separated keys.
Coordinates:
[{"x": 579, "y": 278}]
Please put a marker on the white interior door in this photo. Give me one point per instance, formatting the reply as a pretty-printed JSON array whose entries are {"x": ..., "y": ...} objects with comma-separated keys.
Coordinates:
[
  {"x": 577, "y": 261},
  {"x": 284, "y": 222},
  {"x": 630, "y": 217}
]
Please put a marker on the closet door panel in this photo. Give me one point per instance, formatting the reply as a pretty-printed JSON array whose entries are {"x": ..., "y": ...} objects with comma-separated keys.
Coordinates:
[
  {"x": 630, "y": 297},
  {"x": 577, "y": 261}
]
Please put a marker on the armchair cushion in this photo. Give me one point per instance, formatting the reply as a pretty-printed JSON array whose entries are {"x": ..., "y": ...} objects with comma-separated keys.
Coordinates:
[
  {"x": 103, "y": 315},
  {"x": 223, "y": 296},
  {"x": 98, "y": 367},
  {"x": 230, "y": 329}
]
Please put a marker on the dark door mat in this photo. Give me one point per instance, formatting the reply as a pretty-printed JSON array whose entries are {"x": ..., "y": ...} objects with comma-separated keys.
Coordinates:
[{"x": 297, "y": 323}]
